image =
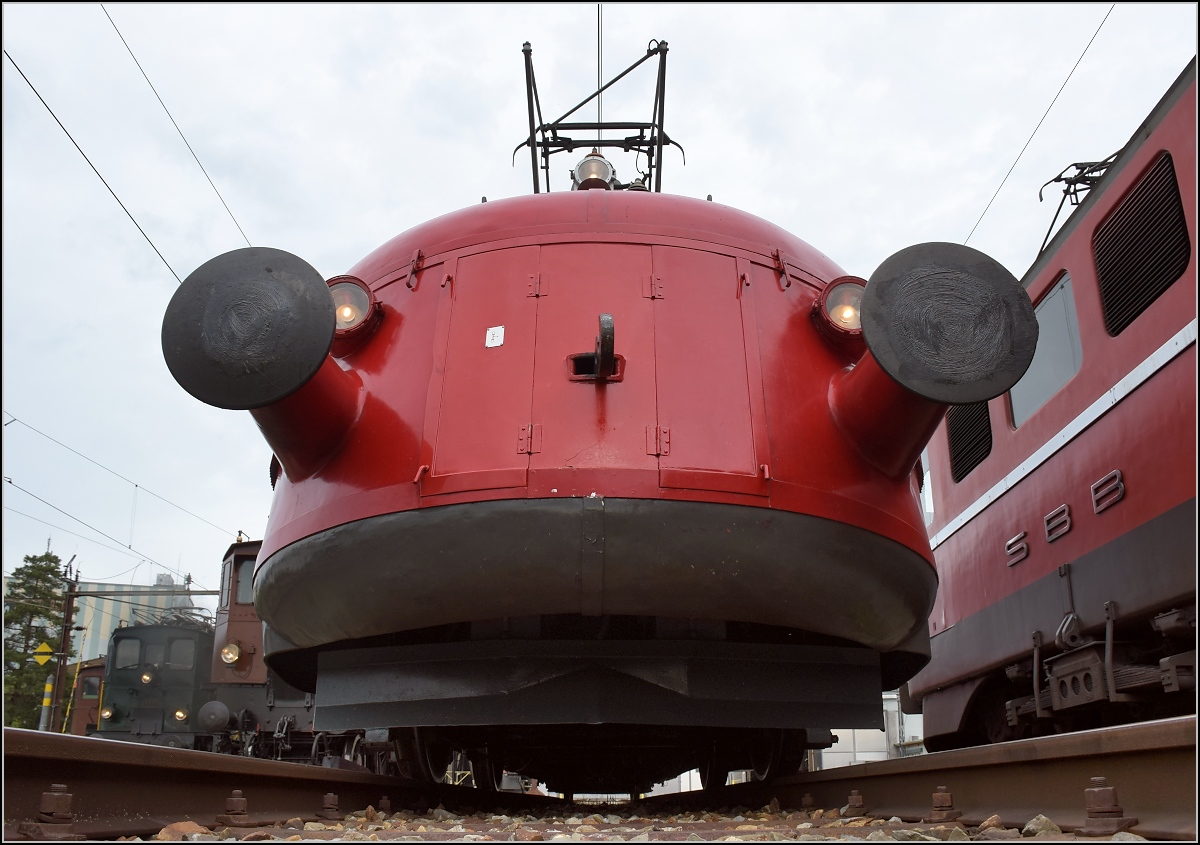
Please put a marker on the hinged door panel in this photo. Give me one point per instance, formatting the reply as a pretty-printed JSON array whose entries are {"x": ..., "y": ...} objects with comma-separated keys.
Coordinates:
[
  {"x": 590, "y": 425},
  {"x": 486, "y": 375},
  {"x": 704, "y": 390}
]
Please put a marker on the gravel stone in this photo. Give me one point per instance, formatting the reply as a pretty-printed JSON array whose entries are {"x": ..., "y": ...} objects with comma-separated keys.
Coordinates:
[
  {"x": 1126, "y": 836},
  {"x": 177, "y": 831},
  {"x": 993, "y": 833},
  {"x": 1039, "y": 824},
  {"x": 990, "y": 822},
  {"x": 906, "y": 835}
]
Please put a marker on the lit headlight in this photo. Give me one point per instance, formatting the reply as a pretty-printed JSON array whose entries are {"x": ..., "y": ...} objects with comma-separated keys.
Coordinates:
[
  {"x": 230, "y": 653},
  {"x": 350, "y": 303},
  {"x": 147, "y": 677},
  {"x": 593, "y": 172},
  {"x": 838, "y": 310},
  {"x": 843, "y": 305},
  {"x": 181, "y": 715},
  {"x": 108, "y": 712},
  {"x": 355, "y": 311}
]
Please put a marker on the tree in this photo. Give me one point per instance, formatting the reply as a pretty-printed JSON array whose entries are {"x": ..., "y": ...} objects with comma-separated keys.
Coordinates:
[{"x": 33, "y": 614}]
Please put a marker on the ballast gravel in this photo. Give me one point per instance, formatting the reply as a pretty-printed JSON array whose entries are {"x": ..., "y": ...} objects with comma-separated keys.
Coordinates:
[{"x": 638, "y": 823}]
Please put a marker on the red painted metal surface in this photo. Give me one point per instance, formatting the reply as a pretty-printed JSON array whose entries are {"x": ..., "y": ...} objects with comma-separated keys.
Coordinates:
[
  {"x": 1149, "y": 436},
  {"x": 723, "y": 396}
]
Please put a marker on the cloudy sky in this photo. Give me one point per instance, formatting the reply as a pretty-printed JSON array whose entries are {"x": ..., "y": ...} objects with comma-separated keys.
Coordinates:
[{"x": 862, "y": 129}]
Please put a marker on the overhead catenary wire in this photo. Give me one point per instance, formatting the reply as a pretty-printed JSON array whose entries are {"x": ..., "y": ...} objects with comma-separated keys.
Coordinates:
[
  {"x": 98, "y": 531},
  {"x": 136, "y": 486},
  {"x": 94, "y": 170},
  {"x": 125, "y": 552},
  {"x": 176, "y": 125},
  {"x": 1039, "y": 123}
]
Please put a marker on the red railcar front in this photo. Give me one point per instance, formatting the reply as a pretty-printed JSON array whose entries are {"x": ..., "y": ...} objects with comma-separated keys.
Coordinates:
[{"x": 598, "y": 485}]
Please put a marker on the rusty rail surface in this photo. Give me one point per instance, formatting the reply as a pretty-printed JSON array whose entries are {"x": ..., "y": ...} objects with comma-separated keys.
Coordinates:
[
  {"x": 1152, "y": 767},
  {"x": 131, "y": 789}
]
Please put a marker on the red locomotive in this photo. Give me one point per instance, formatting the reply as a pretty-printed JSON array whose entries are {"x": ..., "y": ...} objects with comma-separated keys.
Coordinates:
[
  {"x": 1065, "y": 510},
  {"x": 598, "y": 485}
]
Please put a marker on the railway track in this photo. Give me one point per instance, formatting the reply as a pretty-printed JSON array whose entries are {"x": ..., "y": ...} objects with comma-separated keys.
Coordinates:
[{"x": 124, "y": 789}]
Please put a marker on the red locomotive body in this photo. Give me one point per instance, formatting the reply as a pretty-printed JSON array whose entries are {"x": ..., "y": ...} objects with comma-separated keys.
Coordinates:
[
  {"x": 1065, "y": 510},
  {"x": 692, "y": 540}
]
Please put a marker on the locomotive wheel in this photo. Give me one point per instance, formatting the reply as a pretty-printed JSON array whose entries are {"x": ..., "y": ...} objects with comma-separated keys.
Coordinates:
[
  {"x": 486, "y": 774},
  {"x": 432, "y": 757},
  {"x": 352, "y": 750},
  {"x": 714, "y": 773},
  {"x": 766, "y": 752}
]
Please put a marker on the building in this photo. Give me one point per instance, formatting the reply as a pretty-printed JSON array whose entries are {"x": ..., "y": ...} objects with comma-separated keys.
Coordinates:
[
  {"x": 901, "y": 737},
  {"x": 99, "y": 615}
]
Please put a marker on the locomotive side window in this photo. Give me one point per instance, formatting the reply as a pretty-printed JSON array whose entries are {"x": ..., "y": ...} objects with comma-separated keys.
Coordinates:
[
  {"x": 182, "y": 654},
  {"x": 155, "y": 653},
  {"x": 91, "y": 687},
  {"x": 245, "y": 581},
  {"x": 224, "y": 586},
  {"x": 129, "y": 652},
  {"x": 1142, "y": 248},
  {"x": 927, "y": 488},
  {"x": 970, "y": 434},
  {"x": 1059, "y": 353}
]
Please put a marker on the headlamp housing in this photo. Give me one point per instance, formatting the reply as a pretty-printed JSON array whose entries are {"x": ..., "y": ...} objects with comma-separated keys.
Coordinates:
[
  {"x": 595, "y": 171},
  {"x": 837, "y": 313},
  {"x": 231, "y": 652},
  {"x": 356, "y": 312}
]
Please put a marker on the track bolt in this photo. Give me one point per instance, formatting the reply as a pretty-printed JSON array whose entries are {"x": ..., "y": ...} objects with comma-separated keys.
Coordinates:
[
  {"x": 54, "y": 819},
  {"x": 329, "y": 807},
  {"x": 943, "y": 807},
  {"x": 385, "y": 805},
  {"x": 55, "y": 806},
  {"x": 854, "y": 804},
  {"x": 236, "y": 811},
  {"x": 1105, "y": 816},
  {"x": 235, "y": 805}
]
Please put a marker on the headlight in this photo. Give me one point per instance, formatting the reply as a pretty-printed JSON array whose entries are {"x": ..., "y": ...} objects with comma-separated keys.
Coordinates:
[
  {"x": 838, "y": 310},
  {"x": 147, "y": 677},
  {"x": 230, "y": 653},
  {"x": 843, "y": 304},
  {"x": 108, "y": 712},
  {"x": 593, "y": 172},
  {"x": 181, "y": 715},
  {"x": 355, "y": 311},
  {"x": 350, "y": 304}
]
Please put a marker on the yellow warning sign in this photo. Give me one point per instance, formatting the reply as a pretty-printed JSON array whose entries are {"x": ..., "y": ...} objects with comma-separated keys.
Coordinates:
[{"x": 42, "y": 654}]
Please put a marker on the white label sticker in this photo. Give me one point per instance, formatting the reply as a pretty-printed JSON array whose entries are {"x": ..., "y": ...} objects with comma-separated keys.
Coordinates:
[{"x": 495, "y": 337}]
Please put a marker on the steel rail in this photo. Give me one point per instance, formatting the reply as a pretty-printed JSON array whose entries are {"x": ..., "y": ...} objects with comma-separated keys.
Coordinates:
[
  {"x": 1152, "y": 766},
  {"x": 133, "y": 789}
]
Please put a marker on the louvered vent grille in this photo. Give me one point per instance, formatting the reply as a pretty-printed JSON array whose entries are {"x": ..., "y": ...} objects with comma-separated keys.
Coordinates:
[
  {"x": 970, "y": 435},
  {"x": 1142, "y": 248}
]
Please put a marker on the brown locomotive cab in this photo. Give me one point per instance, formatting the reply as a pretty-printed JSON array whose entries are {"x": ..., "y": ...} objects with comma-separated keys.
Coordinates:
[
  {"x": 238, "y": 640},
  {"x": 598, "y": 460}
]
